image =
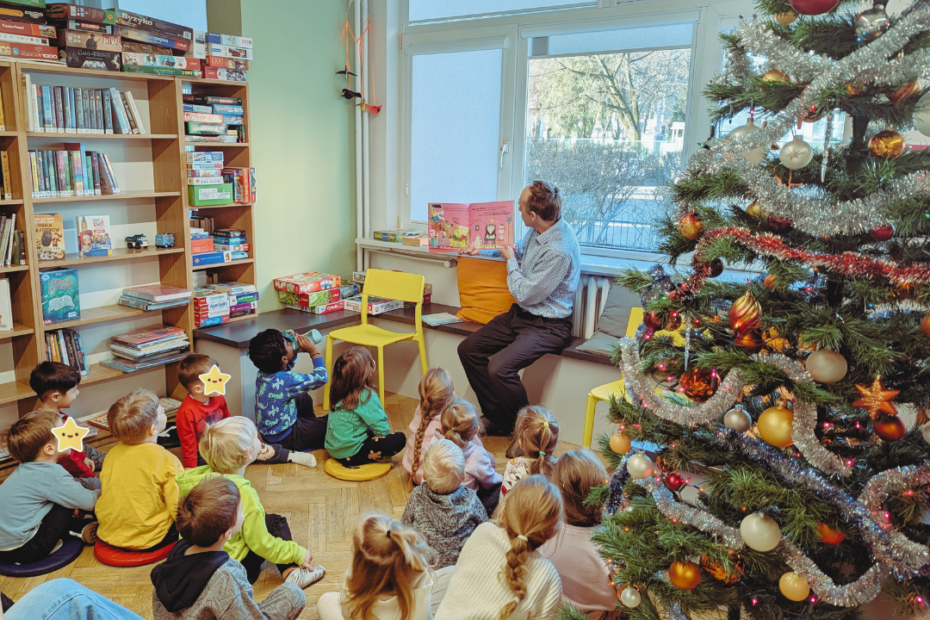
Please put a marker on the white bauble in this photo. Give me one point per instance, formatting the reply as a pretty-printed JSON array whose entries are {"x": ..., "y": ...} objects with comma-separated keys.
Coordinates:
[
  {"x": 737, "y": 419},
  {"x": 630, "y": 597},
  {"x": 796, "y": 154},
  {"x": 639, "y": 466},
  {"x": 755, "y": 156},
  {"x": 760, "y": 532},
  {"x": 922, "y": 115}
]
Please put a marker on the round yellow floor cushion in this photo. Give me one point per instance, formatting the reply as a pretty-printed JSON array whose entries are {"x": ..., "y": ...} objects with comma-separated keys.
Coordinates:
[{"x": 363, "y": 472}]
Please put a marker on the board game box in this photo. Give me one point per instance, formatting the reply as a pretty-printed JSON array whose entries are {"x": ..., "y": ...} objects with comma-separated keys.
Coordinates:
[
  {"x": 80, "y": 58},
  {"x": 143, "y": 22},
  {"x": 25, "y": 50},
  {"x": 61, "y": 299},
  {"x": 220, "y": 62},
  {"x": 455, "y": 226},
  {"x": 229, "y": 75},
  {"x": 89, "y": 40},
  {"x": 32, "y": 30},
  {"x": 307, "y": 282},
  {"x": 144, "y": 36},
  {"x": 161, "y": 60},
  {"x": 376, "y": 305},
  {"x": 61, "y": 12},
  {"x": 228, "y": 39},
  {"x": 320, "y": 298}
]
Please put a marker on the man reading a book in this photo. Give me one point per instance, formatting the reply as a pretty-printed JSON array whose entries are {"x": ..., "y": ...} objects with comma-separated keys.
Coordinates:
[{"x": 543, "y": 272}]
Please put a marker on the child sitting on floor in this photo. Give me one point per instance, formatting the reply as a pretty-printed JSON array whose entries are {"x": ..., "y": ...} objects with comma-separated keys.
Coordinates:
[
  {"x": 358, "y": 432},
  {"x": 389, "y": 578},
  {"x": 56, "y": 386},
  {"x": 460, "y": 425},
  {"x": 40, "y": 498},
  {"x": 436, "y": 393},
  {"x": 199, "y": 579},
  {"x": 585, "y": 578},
  {"x": 229, "y": 446},
  {"x": 283, "y": 406},
  {"x": 537, "y": 435},
  {"x": 442, "y": 509},
  {"x": 140, "y": 496}
]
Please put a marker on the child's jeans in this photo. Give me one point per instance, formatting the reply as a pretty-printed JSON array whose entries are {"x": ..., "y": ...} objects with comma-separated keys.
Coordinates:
[
  {"x": 376, "y": 449},
  {"x": 276, "y": 526},
  {"x": 54, "y": 527},
  {"x": 308, "y": 432},
  {"x": 64, "y": 599}
]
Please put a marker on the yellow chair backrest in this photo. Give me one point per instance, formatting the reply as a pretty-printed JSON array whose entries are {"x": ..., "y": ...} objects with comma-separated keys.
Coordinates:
[
  {"x": 636, "y": 317},
  {"x": 394, "y": 285}
]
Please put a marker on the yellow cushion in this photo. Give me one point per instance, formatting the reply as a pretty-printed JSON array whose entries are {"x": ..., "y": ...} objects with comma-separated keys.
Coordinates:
[
  {"x": 483, "y": 292},
  {"x": 363, "y": 472}
]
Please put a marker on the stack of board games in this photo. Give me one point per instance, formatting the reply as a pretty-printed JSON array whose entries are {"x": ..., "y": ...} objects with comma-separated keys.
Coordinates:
[
  {"x": 312, "y": 291},
  {"x": 210, "y": 307},
  {"x": 228, "y": 57},
  {"x": 148, "y": 30},
  {"x": 209, "y": 108},
  {"x": 72, "y": 110},
  {"x": 162, "y": 64},
  {"x": 155, "y": 297},
  {"x": 149, "y": 347},
  {"x": 232, "y": 242},
  {"x": 243, "y": 184},
  {"x": 64, "y": 346},
  {"x": 73, "y": 171},
  {"x": 61, "y": 298},
  {"x": 359, "y": 278},
  {"x": 25, "y": 33},
  {"x": 201, "y": 242},
  {"x": 376, "y": 305},
  {"x": 243, "y": 298},
  {"x": 87, "y": 38},
  {"x": 205, "y": 181},
  {"x": 93, "y": 233}
]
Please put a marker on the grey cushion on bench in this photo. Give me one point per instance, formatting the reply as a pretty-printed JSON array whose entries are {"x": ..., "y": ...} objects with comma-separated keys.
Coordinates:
[{"x": 611, "y": 326}]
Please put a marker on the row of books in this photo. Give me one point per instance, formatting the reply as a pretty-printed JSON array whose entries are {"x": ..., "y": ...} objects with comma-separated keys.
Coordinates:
[
  {"x": 147, "y": 348},
  {"x": 12, "y": 242},
  {"x": 72, "y": 171},
  {"x": 66, "y": 109},
  {"x": 64, "y": 346},
  {"x": 155, "y": 297}
]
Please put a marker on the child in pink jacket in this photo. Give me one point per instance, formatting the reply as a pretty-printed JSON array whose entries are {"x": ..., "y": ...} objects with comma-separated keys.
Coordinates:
[{"x": 460, "y": 425}]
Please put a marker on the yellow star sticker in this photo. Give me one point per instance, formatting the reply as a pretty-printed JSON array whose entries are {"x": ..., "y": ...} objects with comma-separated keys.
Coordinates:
[
  {"x": 70, "y": 436},
  {"x": 214, "y": 382},
  {"x": 876, "y": 399}
]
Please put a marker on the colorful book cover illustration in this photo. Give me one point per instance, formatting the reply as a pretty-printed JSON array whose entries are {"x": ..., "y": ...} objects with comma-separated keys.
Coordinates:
[
  {"x": 50, "y": 236},
  {"x": 94, "y": 235},
  {"x": 61, "y": 298},
  {"x": 456, "y": 226}
]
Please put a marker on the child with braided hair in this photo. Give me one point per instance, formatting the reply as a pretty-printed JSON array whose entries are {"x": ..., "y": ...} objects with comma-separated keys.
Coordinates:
[
  {"x": 461, "y": 426},
  {"x": 436, "y": 393},
  {"x": 500, "y": 574},
  {"x": 389, "y": 578},
  {"x": 537, "y": 435}
]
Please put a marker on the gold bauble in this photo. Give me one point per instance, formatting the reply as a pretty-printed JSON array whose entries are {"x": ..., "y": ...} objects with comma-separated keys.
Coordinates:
[
  {"x": 787, "y": 18},
  {"x": 773, "y": 339},
  {"x": 620, "y": 443},
  {"x": 745, "y": 313},
  {"x": 685, "y": 575},
  {"x": 826, "y": 366},
  {"x": 775, "y": 426},
  {"x": 794, "y": 587},
  {"x": 690, "y": 226},
  {"x": 925, "y": 326},
  {"x": 905, "y": 92},
  {"x": 698, "y": 384},
  {"x": 755, "y": 210},
  {"x": 718, "y": 572},
  {"x": 774, "y": 75},
  {"x": 886, "y": 144}
]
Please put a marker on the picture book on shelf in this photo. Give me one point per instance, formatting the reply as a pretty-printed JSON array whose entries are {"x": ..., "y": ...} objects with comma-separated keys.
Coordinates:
[
  {"x": 94, "y": 235},
  {"x": 99, "y": 420},
  {"x": 456, "y": 226},
  {"x": 50, "y": 236},
  {"x": 61, "y": 299}
]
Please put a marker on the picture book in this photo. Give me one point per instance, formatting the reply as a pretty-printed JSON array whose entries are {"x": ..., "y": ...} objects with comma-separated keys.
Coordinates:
[
  {"x": 157, "y": 292},
  {"x": 61, "y": 299},
  {"x": 441, "y": 318},
  {"x": 149, "y": 335},
  {"x": 50, "y": 236},
  {"x": 94, "y": 235},
  {"x": 455, "y": 226},
  {"x": 99, "y": 420}
]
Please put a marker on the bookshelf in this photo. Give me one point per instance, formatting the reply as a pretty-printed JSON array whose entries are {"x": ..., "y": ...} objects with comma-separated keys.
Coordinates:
[{"x": 150, "y": 169}]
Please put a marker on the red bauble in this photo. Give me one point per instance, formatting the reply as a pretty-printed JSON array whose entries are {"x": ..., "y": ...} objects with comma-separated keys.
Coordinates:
[
  {"x": 698, "y": 384},
  {"x": 674, "y": 321},
  {"x": 830, "y": 536},
  {"x": 813, "y": 7},
  {"x": 883, "y": 233},
  {"x": 779, "y": 225},
  {"x": 674, "y": 481},
  {"x": 889, "y": 428},
  {"x": 925, "y": 326},
  {"x": 653, "y": 321},
  {"x": 715, "y": 268}
]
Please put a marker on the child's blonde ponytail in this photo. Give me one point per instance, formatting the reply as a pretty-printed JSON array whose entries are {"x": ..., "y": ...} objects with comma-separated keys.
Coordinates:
[
  {"x": 436, "y": 393},
  {"x": 537, "y": 430}
]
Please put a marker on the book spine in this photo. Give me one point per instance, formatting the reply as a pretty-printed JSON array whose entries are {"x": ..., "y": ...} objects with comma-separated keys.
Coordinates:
[
  {"x": 37, "y": 108},
  {"x": 135, "y": 112},
  {"x": 22, "y": 246},
  {"x": 93, "y": 111},
  {"x": 98, "y": 106},
  {"x": 10, "y": 242},
  {"x": 40, "y": 174},
  {"x": 59, "y": 110},
  {"x": 34, "y": 168},
  {"x": 118, "y": 124},
  {"x": 79, "y": 112},
  {"x": 2, "y": 121},
  {"x": 66, "y": 104},
  {"x": 85, "y": 98},
  {"x": 69, "y": 343},
  {"x": 15, "y": 256},
  {"x": 47, "y": 118},
  {"x": 95, "y": 167},
  {"x": 82, "y": 357},
  {"x": 107, "y": 113},
  {"x": 110, "y": 173},
  {"x": 7, "y": 177},
  {"x": 63, "y": 347},
  {"x": 80, "y": 182},
  {"x": 28, "y": 106},
  {"x": 88, "y": 175},
  {"x": 63, "y": 161},
  {"x": 4, "y": 233},
  {"x": 51, "y": 174},
  {"x": 128, "y": 113}
]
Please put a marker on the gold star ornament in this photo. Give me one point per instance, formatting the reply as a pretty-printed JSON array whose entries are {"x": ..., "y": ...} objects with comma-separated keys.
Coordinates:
[
  {"x": 876, "y": 399},
  {"x": 70, "y": 436},
  {"x": 214, "y": 382}
]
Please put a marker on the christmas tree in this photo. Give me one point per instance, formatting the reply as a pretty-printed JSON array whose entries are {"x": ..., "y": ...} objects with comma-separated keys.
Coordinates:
[{"x": 783, "y": 394}]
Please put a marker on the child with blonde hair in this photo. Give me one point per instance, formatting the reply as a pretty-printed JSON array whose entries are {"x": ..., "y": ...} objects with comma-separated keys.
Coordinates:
[
  {"x": 460, "y": 425},
  {"x": 436, "y": 393},
  {"x": 140, "y": 495},
  {"x": 389, "y": 578},
  {"x": 500, "y": 574},
  {"x": 537, "y": 435},
  {"x": 442, "y": 509},
  {"x": 358, "y": 432},
  {"x": 229, "y": 447},
  {"x": 585, "y": 578}
]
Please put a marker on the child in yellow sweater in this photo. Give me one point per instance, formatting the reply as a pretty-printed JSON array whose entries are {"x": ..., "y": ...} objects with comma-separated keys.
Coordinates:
[{"x": 139, "y": 501}]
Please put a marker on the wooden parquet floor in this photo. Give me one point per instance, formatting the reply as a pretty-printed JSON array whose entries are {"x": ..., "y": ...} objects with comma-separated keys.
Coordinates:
[{"x": 322, "y": 513}]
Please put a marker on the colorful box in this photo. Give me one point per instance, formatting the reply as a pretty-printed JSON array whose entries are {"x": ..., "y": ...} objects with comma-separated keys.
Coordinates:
[
  {"x": 228, "y": 75},
  {"x": 358, "y": 277},
  {"x": 24, "y": 50},
  {"x": 89, "y": 40},
  {"x": 349, "y": 290},
  {"x": 159, "y": 60},
  {"x": 333, "y": 307},
  {"x": 208, "y": 258},
  {"x": 207, "y": 195},
  {"x": 376, "y": 305},
  {"x": 228, "y": 39},
  {"x": 61, "y": 12},
  {"x": 307, "y": 282},
  {"x": 395, "y": 235},
  {"x": 36, "y": 30},
  {"x": 79, "y": 58},
  {"x": 144, "y": 22},
  {"x": 320, "y": 298},
  {"x": 61, "y": 299},
  {"x": 228, "y": 51},
  {"x": 199, "y": 246},
  {"x": 220, "y": 62},
  {"x": 204, "y": 157},
  {"x": 144, "y": 36},
  {"x": 209, "y": 303}
]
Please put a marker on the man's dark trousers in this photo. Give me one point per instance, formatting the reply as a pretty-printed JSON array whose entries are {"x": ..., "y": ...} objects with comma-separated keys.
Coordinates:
[{"x": 516, "y": 340}]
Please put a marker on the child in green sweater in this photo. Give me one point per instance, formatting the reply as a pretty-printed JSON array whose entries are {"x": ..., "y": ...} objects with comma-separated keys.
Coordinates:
[{"x": 358, "y": 432}]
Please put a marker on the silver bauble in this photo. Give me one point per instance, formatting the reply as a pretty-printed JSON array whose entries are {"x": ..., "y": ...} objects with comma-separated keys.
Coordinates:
[
  {"x": 755, "y": 156},
  {"x": 925, "y": 432},
  {"x": 796, "y": 154},
  {"x": 922, "y": 115},
  {"x": 639, "y": 466},
  {"x": 630, "y": 597},
  {"x": 737, "y": 419},
  {"x": 871, "y": 24},
  {"x": 826, "y": 366},
  {"x": 760, "y": 532}
]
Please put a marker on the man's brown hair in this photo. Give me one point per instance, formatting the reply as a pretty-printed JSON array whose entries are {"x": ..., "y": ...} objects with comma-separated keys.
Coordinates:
[
  {"x": 208, "y": 511},
  {"x": 545, "y": 201},
  {"x": 191, "y": 367},
  {"x": 131, "y": 416},
  {"x": 50, "y": 377},
  {"x": 26, "y": 437}
]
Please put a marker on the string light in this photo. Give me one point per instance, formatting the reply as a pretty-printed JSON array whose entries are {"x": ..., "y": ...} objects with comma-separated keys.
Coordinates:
[{"x": 755, "y": 601}]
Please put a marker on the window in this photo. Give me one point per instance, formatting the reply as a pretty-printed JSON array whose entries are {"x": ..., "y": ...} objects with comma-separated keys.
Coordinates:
[{"x": 436, "y": 10}]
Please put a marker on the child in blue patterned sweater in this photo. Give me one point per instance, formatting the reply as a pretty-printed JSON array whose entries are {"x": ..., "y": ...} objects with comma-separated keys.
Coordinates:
[{"x": 283, "y": 406}]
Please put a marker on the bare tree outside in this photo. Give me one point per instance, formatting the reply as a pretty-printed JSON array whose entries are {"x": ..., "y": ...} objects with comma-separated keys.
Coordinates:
[{"x": 609, "y": 130}]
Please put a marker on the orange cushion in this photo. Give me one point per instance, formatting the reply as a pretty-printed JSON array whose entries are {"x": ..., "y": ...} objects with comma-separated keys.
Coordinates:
[
  {"x": 114, "y": 556},
  {"x": 483, "y": 292}
]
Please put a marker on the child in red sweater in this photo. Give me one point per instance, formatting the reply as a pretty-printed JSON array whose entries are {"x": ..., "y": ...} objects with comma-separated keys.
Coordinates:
[{"x": 56, "y": 385}]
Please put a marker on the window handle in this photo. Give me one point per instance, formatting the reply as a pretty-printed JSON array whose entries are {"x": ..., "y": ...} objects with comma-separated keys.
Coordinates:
[{"x": 505, "y": 148}]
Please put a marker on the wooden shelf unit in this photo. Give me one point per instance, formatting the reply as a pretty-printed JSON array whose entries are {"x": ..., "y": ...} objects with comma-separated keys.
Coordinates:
[{"x": 168, "y": 194}]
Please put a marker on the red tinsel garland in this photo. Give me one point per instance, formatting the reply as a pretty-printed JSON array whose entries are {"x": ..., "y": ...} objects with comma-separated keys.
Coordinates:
[{"x": 848, "y": 264}]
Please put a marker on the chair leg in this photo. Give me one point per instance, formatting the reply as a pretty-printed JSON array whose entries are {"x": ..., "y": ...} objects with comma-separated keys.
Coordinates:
[
  {"x": 381, "y": 375},
  {"x": 329, "y": 372},
  {"x": 589, "y": 420},
  {"x": 424, "y": 365}
]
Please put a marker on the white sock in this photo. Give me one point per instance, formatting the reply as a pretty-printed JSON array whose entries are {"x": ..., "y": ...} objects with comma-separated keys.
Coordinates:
[{"x": 302, "y": 458}]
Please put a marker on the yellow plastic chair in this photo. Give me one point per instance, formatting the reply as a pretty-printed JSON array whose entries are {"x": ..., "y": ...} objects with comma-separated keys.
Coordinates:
[
  {"x": 390, "y": 285},
  {"x": 615, "y": 388}
]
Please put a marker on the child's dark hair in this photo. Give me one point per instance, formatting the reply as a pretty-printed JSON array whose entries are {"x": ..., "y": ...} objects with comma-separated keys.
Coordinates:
[
  {"x": 352, "y": 373},
  {"x": 266, "y": 350},
  {"x": 50, "y": 377},
  {"x": 27, "y": 436},
  {"x": 208, "y": 511},
  {"x": 191, "y": 367}
]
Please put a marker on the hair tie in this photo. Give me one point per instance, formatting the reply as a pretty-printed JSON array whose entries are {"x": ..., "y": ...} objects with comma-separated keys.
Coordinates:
[
  {"x": 546, "y": 424},
  {"x": 541, "y": 453},
  {"x": 389, "y": 533},
  {"x": 523, "y": 538}
]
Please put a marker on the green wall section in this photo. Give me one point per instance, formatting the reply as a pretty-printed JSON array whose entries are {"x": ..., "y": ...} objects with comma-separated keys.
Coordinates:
[{"x": 302, "y": 138}]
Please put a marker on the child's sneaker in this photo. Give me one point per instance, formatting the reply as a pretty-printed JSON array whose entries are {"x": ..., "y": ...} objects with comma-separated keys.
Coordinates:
[
  {"x": 89, "y": 533},
  {"x": 305, "y": 577},
  {"x": 57, "y": 546},
  {"x": 302, "y": 458}
]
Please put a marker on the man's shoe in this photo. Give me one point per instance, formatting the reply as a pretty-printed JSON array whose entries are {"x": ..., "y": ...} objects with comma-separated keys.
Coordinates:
[
  {"x": 514, "y": 450},
  {"x": 304, "y": 577},
  {"x": 494, "y": 430},
  {"x": 89, "y": 533}
]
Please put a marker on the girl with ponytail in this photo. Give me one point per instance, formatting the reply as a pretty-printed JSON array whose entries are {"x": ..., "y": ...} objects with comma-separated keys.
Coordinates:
[
  {"x": 389, "y": 578},
  {"x": 436, "y": 393},
  {"x": 500, "y": 574},
  {"x": 461, "y": 426},
  {"x": 537, "y": 435}
]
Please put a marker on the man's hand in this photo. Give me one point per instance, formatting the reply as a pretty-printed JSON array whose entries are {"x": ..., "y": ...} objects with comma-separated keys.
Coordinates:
[
  {"x": 308, "y": 560},
  {"x": 507, "y": 252},
  {"x": 470, "y": 250},
  {"x": 90, "y": 464},
  {"x": 307, "y": 345}
]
